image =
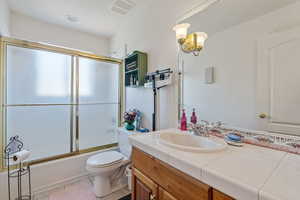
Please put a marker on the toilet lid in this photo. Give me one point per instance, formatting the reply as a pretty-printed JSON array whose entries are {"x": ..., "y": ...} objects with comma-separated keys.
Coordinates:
[{"x": 105, "y": 159}]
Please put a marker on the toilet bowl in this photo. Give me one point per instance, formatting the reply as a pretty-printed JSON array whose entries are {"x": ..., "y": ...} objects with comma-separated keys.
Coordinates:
[{"x": 103, "y": 165}]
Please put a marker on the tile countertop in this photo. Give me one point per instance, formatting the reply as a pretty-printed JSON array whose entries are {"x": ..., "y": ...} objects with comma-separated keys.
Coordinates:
[{"x": 245, "y": 173}]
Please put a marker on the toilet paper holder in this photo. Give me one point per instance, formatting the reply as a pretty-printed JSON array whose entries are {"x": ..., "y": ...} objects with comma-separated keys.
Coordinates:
[{"x": 16, "y": 170}]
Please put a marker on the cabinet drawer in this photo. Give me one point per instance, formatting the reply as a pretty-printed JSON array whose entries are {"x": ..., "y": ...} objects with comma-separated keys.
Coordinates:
[{"x": 175, "y": 182}]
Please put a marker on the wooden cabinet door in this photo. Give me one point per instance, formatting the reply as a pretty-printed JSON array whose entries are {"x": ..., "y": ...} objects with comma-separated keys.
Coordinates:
[
  {"x": 143, "y": 187},
  {"x": 217, "y": 195},
  {"x": 164, "y": 195}
]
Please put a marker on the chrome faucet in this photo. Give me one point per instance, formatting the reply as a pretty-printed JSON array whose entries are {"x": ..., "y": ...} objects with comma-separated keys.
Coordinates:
[
  {"x": 199, "y": 129},
  {"x": 204, "y": 128},
  {"x": 196, "y": 129}
]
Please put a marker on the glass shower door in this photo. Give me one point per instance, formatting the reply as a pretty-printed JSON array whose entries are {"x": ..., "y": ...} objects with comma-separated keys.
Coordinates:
[
  {"x": 98, "y": 103},
  {"x": 58, "y": 103},
  {"x": 38, "y": 100}
]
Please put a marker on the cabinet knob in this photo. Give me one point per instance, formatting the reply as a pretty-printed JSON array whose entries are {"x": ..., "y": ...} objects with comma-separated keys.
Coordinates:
[
  {"x": 152, "y": 197},
  {"x": 262, "y": 115}
]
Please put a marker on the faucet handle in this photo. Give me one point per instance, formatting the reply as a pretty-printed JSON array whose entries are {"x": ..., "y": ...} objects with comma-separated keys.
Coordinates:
[
  {"x": 196, "y": 129},
  {"x": 205, "y": 122},
  {"x": 219, "y": 124},
  {"x": 194, "y": 126}
]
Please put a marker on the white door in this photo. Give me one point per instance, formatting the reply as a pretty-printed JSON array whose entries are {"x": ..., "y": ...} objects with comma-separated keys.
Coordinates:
[{"x": 278, "y": 82}]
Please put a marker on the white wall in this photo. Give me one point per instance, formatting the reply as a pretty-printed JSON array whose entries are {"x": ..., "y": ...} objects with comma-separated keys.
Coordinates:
[
  {"x": 4, "y": 18},
  {"x": 233, "y": 53},
  {"x": 150, "y": 30},
  {"x": 27, "y": 28}
]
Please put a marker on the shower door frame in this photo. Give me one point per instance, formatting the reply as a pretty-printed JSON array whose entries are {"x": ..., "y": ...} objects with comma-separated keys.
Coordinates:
[{"x": 75, "y": 55}]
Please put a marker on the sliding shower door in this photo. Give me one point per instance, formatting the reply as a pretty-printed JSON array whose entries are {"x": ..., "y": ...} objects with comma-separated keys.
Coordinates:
[
  {"x": 38, "y": 101},
  {"x": 98, "y": 102},
  {"x": 60, "y": 102}
]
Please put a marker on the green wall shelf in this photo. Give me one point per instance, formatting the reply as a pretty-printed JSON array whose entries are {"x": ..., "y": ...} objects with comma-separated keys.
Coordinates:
[{"x": 136, "y": 66}]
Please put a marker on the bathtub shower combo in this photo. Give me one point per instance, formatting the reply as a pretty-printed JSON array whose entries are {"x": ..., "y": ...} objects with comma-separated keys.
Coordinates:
[{"x": 61, "y": 102}]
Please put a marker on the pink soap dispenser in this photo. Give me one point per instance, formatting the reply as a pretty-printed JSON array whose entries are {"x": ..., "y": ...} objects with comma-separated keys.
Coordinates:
[
  {"x": 183, "y": 121},
  {"x": 194, "y": 117}
]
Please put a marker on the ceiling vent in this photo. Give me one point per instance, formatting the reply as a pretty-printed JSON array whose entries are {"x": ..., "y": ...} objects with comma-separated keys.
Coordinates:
[{"x": 122, "y": 7}]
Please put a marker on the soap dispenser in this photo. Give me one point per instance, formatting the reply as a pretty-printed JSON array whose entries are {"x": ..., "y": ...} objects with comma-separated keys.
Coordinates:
[
  {"x": 194, "y": 117},
  {"x": 183, "y": 121}
]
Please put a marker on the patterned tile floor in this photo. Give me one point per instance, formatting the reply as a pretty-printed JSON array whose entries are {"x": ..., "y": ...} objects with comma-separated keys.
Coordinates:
[{"x": 81, "y": 190}]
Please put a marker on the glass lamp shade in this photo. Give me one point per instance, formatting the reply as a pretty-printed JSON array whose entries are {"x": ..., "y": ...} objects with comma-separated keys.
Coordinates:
[
  {"x": 201, "y": 37},
  {"x": 181, "y": 30}
]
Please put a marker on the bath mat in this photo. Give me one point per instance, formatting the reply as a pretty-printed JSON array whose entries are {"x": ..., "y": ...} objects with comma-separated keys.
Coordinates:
[{"x": 127, "y": 197}]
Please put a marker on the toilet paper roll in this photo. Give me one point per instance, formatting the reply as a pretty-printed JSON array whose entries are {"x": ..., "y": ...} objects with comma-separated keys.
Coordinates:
[{"x": 20, "y": 156}]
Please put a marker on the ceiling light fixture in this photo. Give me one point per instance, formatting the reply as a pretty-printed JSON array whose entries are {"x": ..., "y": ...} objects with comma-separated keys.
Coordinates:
[{"x": 189, "y": 43}]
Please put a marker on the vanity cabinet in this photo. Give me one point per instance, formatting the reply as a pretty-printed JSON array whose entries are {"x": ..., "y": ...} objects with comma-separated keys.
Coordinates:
[{"x": 153, "y": 179}]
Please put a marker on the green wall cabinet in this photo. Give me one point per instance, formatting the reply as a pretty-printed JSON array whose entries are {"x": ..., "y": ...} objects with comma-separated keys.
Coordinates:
[{"x": 136, "y": 66}]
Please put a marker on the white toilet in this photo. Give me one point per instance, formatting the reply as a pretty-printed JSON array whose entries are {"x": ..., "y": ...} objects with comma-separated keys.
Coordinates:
[{"x": 103, "y": 165}]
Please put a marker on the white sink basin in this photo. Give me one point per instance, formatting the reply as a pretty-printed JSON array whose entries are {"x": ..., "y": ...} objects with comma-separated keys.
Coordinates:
[{"x": 192, "y": 143}]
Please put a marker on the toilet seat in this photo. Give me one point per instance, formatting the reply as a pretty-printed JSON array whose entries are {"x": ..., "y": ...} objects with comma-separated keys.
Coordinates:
[{"x": 105, "y": 159}]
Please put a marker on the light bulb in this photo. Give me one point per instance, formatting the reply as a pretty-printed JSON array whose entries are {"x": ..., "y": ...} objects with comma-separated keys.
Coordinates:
[
  {"x": 181, "y": 30},
  {"x": 201, "y": 37}
]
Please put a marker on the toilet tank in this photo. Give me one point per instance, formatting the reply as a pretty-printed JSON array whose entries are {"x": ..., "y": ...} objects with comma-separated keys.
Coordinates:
[{"x": 124, "y": 145}]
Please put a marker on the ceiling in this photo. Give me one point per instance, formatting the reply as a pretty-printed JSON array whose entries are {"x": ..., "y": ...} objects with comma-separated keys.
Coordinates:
[
  {"x": 92, "y": 16},
  {"x": 97, "y": 17},
  {"x": 227, "y": 13}
]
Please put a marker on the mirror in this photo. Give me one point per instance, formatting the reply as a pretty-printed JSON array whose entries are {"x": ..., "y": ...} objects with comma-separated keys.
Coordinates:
[{"x": 247, "y": 74}]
